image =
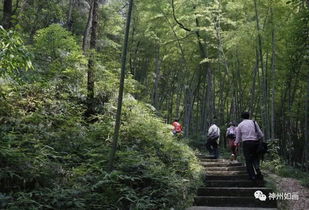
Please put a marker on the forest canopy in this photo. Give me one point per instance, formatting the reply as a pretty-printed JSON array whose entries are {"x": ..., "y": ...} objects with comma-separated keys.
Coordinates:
[{"x": 60, "y": 64}]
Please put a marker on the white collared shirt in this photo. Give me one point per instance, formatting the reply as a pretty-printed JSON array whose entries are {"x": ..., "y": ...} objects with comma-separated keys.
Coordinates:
[{"x": 246, "y": 131}]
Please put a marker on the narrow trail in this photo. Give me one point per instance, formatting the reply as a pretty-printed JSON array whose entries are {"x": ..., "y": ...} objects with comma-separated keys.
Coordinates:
[{"x": 227, "y": 187}]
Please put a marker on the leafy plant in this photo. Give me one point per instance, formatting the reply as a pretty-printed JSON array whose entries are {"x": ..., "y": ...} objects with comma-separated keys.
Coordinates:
[
  {"x": 57, "y": 54},
  {"x": 14, "y": 56}
]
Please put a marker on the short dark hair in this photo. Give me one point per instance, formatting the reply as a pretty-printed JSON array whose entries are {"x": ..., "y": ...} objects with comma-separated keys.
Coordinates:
[
  {"x": 245, "y": 115},
  {"x": 176, "y": 120},
  {"x": 232, "y": 124}
]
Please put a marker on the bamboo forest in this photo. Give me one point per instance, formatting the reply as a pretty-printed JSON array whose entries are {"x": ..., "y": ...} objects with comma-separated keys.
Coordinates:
[{"x": 147, "y": 104}]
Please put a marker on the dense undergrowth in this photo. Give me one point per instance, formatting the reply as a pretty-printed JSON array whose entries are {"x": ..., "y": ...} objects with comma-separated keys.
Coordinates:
[
  {"x": 53, "y": 157},
  {"x": 275, "y": 164},
  {"x": 50, "y": 158}
]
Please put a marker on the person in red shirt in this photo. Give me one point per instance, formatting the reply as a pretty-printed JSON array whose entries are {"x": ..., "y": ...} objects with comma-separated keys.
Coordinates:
[
  {"x": 177, "y": 127},
  {"x": 231, "y": 136}
]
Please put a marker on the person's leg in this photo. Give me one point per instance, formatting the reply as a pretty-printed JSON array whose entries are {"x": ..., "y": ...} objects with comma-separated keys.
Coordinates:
[
  {"x": 247, "y": 147},
  {"x": 209, "y": 147},
  {"x": 232, "y": 149},
  {"x": 256, "y": 161},
  {"x": 215, "y": 149},
  {"x": 234, "y": 152},
  {"x": 230, "y": 145}
]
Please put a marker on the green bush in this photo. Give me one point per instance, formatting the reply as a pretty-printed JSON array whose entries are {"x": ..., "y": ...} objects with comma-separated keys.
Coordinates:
[
  {"x": 58, "y": 56},
  {"x": 14, "y": 56},
  {"x": 152, "y": 169},
  {"x": 51, "y": 159},
  {"x": 276, "y": 165}
]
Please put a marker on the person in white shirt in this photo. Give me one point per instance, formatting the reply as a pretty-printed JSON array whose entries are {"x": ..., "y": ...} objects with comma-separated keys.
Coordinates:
[
  {"x": 213, "y": 138},
  {"x": 249, "y": 132}
]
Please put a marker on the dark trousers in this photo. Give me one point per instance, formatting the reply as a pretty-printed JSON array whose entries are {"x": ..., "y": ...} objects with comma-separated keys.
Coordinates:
[
  {"x": 212, "y": 147},
  {"x": 252, "y": 159}
]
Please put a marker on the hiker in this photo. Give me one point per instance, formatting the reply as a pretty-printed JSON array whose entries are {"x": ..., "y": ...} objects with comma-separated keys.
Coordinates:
[
  {"x": 177, "y": 127},
  {"x": 249, "y": 132},
  {"x": 213, "y": 140},
  {"x": 231, "y": 136}
]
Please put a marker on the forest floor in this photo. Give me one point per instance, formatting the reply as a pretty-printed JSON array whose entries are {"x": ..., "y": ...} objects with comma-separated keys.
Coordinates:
[{"x": 289, "y": 185}]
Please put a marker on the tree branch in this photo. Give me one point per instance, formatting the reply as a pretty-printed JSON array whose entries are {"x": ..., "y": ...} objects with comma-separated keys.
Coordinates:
[
  {"x": 16, "y": 7},
  {"x": 179, "y": 23}
]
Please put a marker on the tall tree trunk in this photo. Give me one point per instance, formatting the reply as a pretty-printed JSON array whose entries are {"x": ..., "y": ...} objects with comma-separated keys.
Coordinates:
[
  {"x": 121, "y": 88},
  {"x": 188, "y": 99},
  {"x": 155, "y": 94},
  {"x": 69, "y": 19},
  {"x": 203, "y": 107},
  {"x": 222, "y": 60},
  {"x": 7, "y": 13},
  {"x": 273, "y": 77},
  {"x": 170, "y": 104},
  {"x": 239, "y": 92},
  {"x": 264, "y": 95},
  {"x": 306, "y": 143},
  {"x": 178, "y": 100},
  {"x": 88, "y": 27},
  {"x": 253, "y": 90},
  {"x": 91, "y": 61},
  {"x": 206, "y": 68}
]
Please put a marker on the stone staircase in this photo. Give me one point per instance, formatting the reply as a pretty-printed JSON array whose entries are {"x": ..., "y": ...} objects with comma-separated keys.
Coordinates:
[{"x": 227, "y": 187}]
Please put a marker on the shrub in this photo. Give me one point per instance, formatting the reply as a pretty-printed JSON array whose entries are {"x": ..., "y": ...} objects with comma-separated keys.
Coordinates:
[{"x": 51, "y": 159}]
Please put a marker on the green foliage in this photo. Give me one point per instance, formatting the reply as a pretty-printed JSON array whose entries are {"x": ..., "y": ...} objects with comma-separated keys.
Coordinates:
[
  {"x": 50, "y": 159},
  {"x": 38, "y": 14},
  {"x": 14, "y": 56},
  {"x": 152, "y": 169},
  {"x": 275, "y": 164},
  {"x": 38, "y": 133},
  {"x": 57, "y": 53}
]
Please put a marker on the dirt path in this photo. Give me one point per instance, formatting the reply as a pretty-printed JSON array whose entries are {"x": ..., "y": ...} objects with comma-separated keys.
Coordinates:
[{"x": 289, "y": 185}]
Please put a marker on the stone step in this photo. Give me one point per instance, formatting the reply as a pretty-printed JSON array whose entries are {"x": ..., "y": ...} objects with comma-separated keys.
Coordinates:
[
  {"x": 225, "y": 173},
  {"x": 226, "y": 177},
  {"x": 233, "y": 183},
  {"x": 233, "y": 201},
  {"x": 233, "y": 168},
  {"x": 220, "y": 164},
  {"x": 231, "y": 191},
  {"x": 205, "y": 156},
  {"x": 226, "y": 208},
  {"x": 211, "y": 160}
]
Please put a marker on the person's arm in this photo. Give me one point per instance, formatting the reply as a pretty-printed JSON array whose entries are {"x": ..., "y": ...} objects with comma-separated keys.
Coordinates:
[
  {"x": 238, "y": 136},
  {"x": 259, "y": 132},
  {"x": 210, "y": 130}
]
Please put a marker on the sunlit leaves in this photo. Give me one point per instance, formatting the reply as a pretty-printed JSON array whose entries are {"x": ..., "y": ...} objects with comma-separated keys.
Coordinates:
[
  {"x": 57, "y": 54},
  {"x": 14, "y": 56}
]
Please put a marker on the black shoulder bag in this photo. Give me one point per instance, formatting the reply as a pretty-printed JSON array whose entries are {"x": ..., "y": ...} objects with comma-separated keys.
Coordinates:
[{"x": 262, "y": 148}]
